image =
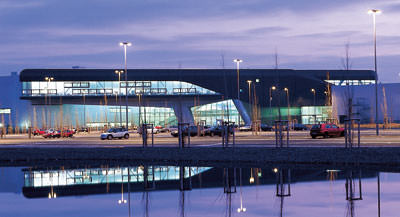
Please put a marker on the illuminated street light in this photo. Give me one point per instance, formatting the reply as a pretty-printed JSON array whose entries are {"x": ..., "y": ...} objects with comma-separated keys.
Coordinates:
[
  {"x": 119, "y": 72},
  {"x": 288, "y": 103},
  {"x": 241, "y": 208},
  {"x": 374, "y": 12},
  {"x": 315, "y": 109},
  {"x": 122, "y": 195},
  {"x": 251, "y": 180},
  {"x": 238, "y": 61},
  {"x": 48, "y": 79},
  {"x": 125, "y": 45},
  {"x": 275, "y": 170},
  {"x": 270, "y": 95}
]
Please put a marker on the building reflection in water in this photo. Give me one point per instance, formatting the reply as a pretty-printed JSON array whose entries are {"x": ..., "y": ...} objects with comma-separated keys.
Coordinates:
[{"x": 136, "y": 174}]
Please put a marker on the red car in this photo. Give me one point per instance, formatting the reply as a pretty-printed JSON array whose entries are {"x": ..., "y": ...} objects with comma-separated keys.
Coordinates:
[
  {"x": 67, "y": 133},
  {"x": 38, "y": 132},
  {"x": 326, "y": 130},
  {"x": 52, "y": 134}
]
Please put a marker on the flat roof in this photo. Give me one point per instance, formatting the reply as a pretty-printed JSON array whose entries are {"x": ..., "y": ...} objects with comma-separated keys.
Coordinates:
[{"x": 27, "y": 75}]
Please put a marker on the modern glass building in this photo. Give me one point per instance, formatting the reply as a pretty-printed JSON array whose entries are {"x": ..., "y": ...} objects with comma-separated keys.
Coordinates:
[{"x": 96, "y": 97}]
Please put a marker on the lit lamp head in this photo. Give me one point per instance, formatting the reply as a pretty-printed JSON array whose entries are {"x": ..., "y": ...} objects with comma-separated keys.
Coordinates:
[
  {"x": 275, "y": 170},
  {"x": 125, "y": 44},
  {"x": 286, "y": 89},
  {"x": 313, "y": 90},
  {"x": 273, "y": 88},
  {"x": 251, "y": 180},
  {"x": 374, "y": 11},
  {"x": 48, "y": 78},
  {"x": 249, "y": 81},
  {"x": 119, "y": 71},
  {"x": 239, "y": 210},
  {"x": 237, "y": 60}
]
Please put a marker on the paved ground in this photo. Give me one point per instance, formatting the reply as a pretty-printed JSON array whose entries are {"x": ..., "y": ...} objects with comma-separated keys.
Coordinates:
[{"x": 387, "y": 138}]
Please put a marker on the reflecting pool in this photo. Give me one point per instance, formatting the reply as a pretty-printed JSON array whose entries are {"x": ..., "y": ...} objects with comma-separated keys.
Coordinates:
[{"x": 152, "y": 190}]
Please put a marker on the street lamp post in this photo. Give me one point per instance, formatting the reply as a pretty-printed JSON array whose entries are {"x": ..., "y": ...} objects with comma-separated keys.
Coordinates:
[
  {"x": 270, "y": 95},
  {"x": 84, "y": 110},
  {"x": 119, "y": 72},
  {"x": 270, "y": 99},
  {"x": 241, "y": 208},
  {"x": 48, "y": 79},
  {"x": 374, "y": 12},
  {"x": 238, "y": 61},
  {"x": 125, "y": 45},
  {"x": 250, "y": 102},
  {"x": 288, "y": 104},
  {"x": 315, "y": 109}
]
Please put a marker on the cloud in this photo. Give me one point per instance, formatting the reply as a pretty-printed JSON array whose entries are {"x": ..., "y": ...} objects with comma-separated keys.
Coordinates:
[{"x": 20, "y": 4}]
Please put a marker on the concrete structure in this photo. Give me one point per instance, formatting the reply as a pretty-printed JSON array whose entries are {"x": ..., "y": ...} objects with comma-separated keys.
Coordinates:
[
  {"x": 364, "y": 102},
  {"x": 11, "y": 89},
  {"x": 165, "y": 96}
]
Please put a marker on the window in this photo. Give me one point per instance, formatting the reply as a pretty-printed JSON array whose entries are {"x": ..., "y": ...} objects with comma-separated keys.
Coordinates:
[
  {"x": 85, "y": 84},
  {"x": 76, "y": 91},
  {"x": 67, "y": 84}
]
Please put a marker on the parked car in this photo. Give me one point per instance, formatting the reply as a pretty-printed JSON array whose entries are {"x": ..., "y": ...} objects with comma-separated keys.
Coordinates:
[
  {"x": 245, "y": 128},
  {"x": 83, "y": 130},
  {"x": 172, "y": 128},
  {"x": 67, "y": 133},
  {"x": 52, "y": 133},
  {"x": 326, "y": 130},
  {"x": 38, "y": 132},
  {"x": 266, "y": 127},
  {"x": 162, "y": 129},
  {"x": 218, "y": 130},
  {"x": 149, "y": 130},
  {"x": 185, "y": 131},
  {"x": 299, "y": 127},
  {"x": 115, "y": 133}
]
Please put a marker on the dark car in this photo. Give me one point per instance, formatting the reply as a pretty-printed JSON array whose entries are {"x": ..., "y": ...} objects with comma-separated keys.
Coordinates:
[
  {"x": 326, "y": 130},
  {"x": 218, "y": 131},
  {"x": 192, "y": 129},
  {"x": 266, "y": 127},
  {"x": 299, "y": 127}
]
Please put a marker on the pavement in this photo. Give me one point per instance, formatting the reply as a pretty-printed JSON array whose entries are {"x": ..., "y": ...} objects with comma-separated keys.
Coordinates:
[{"x": 387, "y": 138}]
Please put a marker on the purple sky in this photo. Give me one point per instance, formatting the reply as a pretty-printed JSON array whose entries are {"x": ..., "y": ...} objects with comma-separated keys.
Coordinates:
[{"x": 308, "y": 34}]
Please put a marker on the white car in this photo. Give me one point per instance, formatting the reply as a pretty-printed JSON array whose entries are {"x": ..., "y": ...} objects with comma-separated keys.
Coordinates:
[
  {"x": 245, "y": 128},
  {"x": 115, "y": 133}
]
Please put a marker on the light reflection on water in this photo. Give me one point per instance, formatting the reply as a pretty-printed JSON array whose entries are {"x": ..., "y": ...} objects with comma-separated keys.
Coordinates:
[{"x": 196, "y": 191}]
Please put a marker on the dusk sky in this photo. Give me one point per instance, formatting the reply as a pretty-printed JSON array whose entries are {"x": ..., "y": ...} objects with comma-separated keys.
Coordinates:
[{"x": 307, "y": 34}]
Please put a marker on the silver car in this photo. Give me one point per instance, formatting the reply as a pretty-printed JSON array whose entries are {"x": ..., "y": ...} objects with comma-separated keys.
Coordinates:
[{"x": 115, "y": 133}]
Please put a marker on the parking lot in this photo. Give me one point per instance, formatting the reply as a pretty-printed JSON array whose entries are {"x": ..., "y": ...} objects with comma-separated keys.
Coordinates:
[{"x": 242, "y": 139}]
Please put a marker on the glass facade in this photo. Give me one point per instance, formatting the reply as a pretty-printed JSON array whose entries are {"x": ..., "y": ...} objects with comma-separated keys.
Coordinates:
[
  {"x": 350, "y": 82},
  {"x": 100, "y": 88},
  {"x": 214, "y": 113},
  {"x": 99, "y": 116}
]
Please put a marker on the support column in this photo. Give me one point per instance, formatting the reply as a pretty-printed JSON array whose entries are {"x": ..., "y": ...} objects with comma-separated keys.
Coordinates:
[
  {"x": 242, "y": 111},
  {"x": 183, "y": 113}
]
